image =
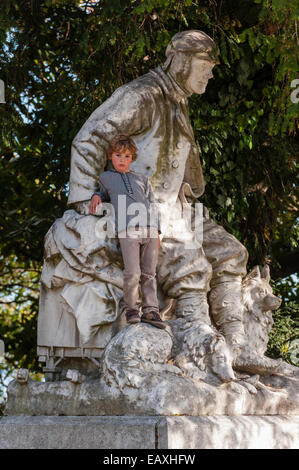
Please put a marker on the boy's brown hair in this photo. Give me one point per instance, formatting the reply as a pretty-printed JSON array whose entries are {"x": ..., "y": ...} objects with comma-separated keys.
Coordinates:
[{"x": 120, "y": 143}]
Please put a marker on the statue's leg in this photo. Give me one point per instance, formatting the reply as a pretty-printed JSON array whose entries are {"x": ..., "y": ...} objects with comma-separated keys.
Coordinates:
[
  {"x": 184, "y": 274},
  {"x": 228, "y": 258}
]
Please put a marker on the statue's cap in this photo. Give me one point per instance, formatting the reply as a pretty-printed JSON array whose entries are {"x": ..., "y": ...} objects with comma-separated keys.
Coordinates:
[{"x": 195, "y": 41}]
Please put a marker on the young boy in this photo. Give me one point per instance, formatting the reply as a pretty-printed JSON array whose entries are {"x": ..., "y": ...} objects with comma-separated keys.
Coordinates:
[{"x": 140, "y": 244}]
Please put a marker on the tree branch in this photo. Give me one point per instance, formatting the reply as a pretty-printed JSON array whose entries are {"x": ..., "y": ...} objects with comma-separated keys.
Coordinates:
[{"x": 289, "y": 263}]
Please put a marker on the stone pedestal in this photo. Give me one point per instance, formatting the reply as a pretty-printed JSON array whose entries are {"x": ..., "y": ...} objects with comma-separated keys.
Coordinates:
[{"x": 149, "y": 432}]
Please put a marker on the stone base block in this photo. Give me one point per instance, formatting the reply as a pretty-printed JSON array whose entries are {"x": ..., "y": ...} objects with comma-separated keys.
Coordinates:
[
  {"x": 149, "y": 432},
  {"x": 77, "y": 432},
  {"x": 229, "y": 432}
]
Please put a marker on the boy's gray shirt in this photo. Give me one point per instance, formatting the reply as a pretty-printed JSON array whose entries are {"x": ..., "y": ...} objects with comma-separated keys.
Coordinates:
[{"x": 136, "y": 188}]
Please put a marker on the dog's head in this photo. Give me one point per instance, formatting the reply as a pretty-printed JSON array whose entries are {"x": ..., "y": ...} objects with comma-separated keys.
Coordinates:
[
  {"x": 210, "y": 352},
  {"x": 220, "y": 359},
  {"x": 258, "y": 294}
]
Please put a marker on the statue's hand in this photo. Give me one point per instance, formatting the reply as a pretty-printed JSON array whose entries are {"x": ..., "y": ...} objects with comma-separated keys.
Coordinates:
[{"x": 82, "y": 207}]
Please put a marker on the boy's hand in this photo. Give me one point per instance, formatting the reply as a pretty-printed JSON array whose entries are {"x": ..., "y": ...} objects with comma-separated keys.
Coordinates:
[
  {"x": 95, "y": 201},
  {"x": 159, "y": 241}
]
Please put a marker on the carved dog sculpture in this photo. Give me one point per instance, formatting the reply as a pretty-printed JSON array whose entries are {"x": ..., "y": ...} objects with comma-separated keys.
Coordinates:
[
  {"x": 259, "y": 302},
  {"x": 134, "y": 353},
  {"x": 201, "y": 351},
  {"x": 198, "y": 349},
  {"x": 204, "y": 354}
]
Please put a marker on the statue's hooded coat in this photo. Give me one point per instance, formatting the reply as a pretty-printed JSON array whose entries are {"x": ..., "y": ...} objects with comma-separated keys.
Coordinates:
[{"x": 152, "y": 110}]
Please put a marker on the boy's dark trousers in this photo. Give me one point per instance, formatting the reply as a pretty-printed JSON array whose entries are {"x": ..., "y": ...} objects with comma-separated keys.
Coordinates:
[{"x": 139, "y": 248}]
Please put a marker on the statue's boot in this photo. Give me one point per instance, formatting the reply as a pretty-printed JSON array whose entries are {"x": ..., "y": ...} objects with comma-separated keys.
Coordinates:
[
  {"x": 193, "y": 308},
  {"x": 200, "y": 337},
  {"x": 226, "y": 309}
]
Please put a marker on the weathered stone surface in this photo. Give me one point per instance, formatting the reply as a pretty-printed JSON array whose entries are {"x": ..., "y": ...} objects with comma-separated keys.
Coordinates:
[
  {"x": 146, "y": 432},
  {"x": 60, "y": 432},
  {"x": 223, "y": 315},
  {"x": 137, "y": 377},
  {"x": 161, "y": 394},
  {"x": 229, "y": 432}
]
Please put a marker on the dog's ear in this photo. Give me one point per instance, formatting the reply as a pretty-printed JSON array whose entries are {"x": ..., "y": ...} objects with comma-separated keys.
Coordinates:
[
  {"x": 253, "y": 274},
  {"x": 265, "y": 273}
]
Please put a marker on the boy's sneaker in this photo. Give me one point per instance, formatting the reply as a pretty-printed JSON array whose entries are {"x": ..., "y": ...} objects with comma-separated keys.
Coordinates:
[
  {"x": 132, "y": 316},
  {"x": 154, "y": 319}
]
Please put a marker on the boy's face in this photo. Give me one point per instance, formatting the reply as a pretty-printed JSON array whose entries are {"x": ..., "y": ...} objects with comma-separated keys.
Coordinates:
[{"x": 121, "y": 160}]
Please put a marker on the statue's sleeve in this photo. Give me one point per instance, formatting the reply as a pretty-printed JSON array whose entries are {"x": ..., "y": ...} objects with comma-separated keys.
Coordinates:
[{"x": 128, "y": 111}]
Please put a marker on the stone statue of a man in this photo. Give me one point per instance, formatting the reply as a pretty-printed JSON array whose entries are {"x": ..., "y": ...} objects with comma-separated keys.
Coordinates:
[{"x": 152, "y": 110}]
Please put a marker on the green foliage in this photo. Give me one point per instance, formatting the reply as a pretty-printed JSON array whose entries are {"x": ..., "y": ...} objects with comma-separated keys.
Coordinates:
[
  {"x": 60, "y": 59},
  {"x": 19, "y": 286},
  {"x": 287, "y": 288},
  {"x": 284, "y": 336}
]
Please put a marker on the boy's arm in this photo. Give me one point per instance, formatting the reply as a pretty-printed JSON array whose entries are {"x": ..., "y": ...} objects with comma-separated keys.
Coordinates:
[
  {"x": 98, "y": 197},
  {"x": 151, "y": 197},
  {"x": 102, "y": 192}
]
